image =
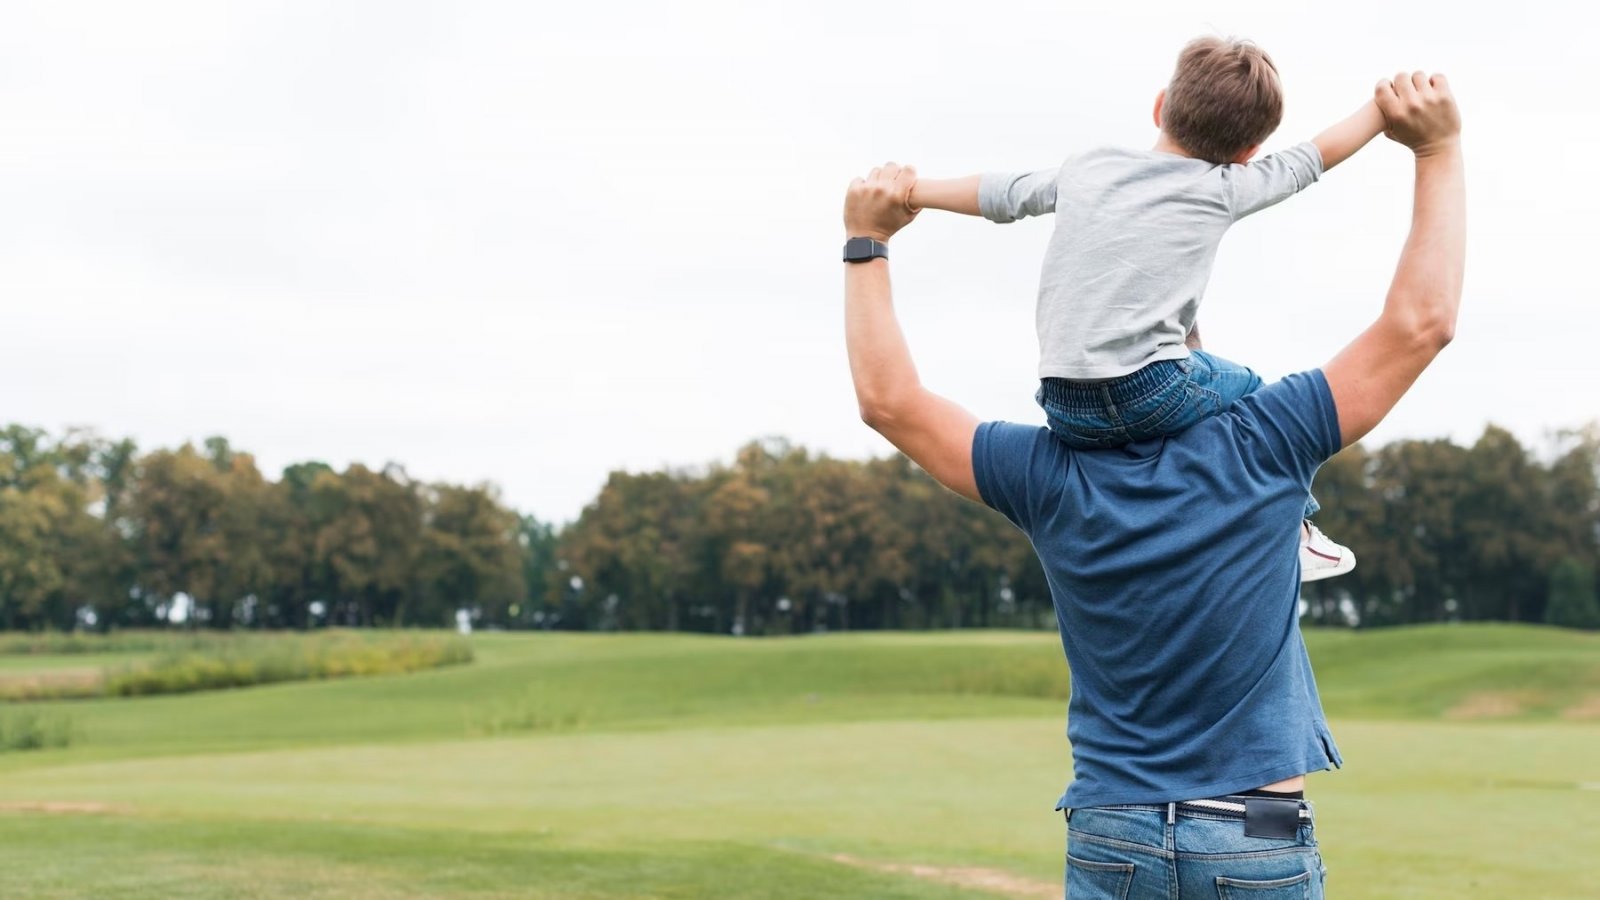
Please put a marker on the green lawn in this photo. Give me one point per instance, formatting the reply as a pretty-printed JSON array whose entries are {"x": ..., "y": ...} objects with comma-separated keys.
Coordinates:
[{"x": 675, "y": 766}]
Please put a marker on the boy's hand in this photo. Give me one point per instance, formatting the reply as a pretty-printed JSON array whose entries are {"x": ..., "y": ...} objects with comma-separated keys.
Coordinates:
[
  {"x": 1420, "y": 111},
  {"x": 879, "y": 205}
]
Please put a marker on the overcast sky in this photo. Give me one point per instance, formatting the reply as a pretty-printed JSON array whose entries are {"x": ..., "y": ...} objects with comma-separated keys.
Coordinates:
[{"x": 532, "y": 243}]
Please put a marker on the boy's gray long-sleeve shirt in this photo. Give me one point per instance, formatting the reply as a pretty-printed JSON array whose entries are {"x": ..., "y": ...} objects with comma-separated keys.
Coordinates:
[{"x": 1136, "y": 233}]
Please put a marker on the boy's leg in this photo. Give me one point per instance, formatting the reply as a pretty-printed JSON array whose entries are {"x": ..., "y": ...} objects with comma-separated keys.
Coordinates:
[{"x": 1229, "y": 379}]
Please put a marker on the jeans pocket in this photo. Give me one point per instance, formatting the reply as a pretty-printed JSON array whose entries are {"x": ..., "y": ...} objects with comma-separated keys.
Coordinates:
[
  {"x": 1088, "y": 880},
  {"x": 1295, "y": 887}
]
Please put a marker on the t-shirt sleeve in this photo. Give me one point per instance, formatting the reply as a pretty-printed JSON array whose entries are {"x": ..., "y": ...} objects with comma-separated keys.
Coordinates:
[
  {"x": 1009, "y": 463},
  {"x": 1009, "y": 196},
  {"x": 1272, "y": 179},
  {"x": 1294, "y": 422}
]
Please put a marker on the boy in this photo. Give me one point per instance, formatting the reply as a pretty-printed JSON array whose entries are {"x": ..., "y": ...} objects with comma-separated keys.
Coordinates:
[{"x": 1135, "y": 236}]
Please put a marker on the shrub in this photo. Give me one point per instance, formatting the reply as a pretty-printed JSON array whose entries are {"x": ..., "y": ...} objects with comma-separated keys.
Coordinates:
[
  {"x": 202, "y": 662},
  {"x": 285, "y": 658}
]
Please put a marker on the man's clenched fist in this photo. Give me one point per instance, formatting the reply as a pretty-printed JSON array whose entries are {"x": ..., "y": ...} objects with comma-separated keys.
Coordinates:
[
  {"x": 877, "y": 206},
  {"x": 1420, "y": 111}
]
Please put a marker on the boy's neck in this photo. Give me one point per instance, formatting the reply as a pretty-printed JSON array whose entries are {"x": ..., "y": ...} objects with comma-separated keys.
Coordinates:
[{"x": 1165, "y": 144}]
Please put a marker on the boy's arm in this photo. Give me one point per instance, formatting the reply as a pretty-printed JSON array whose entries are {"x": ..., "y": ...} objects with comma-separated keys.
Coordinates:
[
  {"x": 997, "y": 196},
  {"x": 1254, "y": 186},
  {"x": 1341, "y": 141},
  {"x": 957, "y": 195},
  {"x": 1257, "y": 185}
]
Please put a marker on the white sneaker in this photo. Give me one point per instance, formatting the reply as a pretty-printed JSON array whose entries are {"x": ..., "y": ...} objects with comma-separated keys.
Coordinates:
[{"x": 1321, "y": 558}]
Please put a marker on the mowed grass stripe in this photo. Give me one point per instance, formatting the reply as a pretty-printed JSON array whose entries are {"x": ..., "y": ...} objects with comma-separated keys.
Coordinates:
[{"x": 158, "y": 859}]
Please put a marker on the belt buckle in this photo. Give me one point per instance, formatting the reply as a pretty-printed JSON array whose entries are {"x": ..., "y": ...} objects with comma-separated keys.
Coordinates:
[{"x": 1266, "y": 817}]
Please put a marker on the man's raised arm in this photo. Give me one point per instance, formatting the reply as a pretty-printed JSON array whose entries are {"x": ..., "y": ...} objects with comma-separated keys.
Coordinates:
[
  {"x": 934, "y": 432},
  {"x": 1370, "y": 376}
]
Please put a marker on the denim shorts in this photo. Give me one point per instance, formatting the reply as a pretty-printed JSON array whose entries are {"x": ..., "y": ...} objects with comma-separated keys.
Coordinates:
[
  {"x": 1159, "y": 400},
  {"x": 1131, "y": 852}
]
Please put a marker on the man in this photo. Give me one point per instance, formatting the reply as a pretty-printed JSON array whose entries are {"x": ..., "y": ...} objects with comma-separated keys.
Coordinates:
[{"x": 1172, "y": 563}]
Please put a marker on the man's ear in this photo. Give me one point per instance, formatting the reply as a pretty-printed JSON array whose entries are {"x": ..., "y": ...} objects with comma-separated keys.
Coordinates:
[
  {"x": 1161, "y": 100},
  {"x": 1243, "y": 156}
]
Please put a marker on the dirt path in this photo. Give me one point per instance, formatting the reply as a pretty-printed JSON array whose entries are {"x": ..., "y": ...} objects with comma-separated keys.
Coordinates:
[
  {"x": 992, "y": 880},
  {"x": 56, "y": 806}
]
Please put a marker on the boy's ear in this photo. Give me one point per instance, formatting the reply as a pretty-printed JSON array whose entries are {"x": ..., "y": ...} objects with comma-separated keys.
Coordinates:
[
  {"x": 1243, "y": 156},
  {"x": 1161, "y": 100}
]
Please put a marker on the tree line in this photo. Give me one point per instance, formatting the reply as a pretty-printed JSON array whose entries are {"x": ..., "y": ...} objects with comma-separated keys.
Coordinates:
[
  {"x": 781, "y": 540},
  {"x": 95, "y": 534}
]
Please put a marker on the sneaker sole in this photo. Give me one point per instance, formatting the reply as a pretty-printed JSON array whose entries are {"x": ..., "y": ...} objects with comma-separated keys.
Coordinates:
[{"x": 1343, "y": 568}]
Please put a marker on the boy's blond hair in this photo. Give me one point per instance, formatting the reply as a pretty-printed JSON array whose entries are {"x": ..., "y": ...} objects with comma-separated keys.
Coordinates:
[{"x": 1224, "y": 98}]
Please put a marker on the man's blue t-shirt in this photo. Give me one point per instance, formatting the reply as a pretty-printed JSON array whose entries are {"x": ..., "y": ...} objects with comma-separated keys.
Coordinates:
[{"x": 1175, "y": 569}]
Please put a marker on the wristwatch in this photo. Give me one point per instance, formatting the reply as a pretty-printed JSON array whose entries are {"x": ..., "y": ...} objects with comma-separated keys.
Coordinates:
[{"x": 860, "y": 249}]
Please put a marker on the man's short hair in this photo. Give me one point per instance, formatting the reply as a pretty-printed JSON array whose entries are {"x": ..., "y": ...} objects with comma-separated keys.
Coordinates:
[{"x": 1224, "y": 98}]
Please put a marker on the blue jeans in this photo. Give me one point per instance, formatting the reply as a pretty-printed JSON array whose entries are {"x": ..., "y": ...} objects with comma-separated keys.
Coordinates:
[
  {"x": 1131, "y": 852},
  {"x": 1159, "y": 400}
]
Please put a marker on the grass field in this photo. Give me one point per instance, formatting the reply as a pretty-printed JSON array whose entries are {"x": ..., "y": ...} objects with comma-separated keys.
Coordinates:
[{"x": 912, "y": 765}]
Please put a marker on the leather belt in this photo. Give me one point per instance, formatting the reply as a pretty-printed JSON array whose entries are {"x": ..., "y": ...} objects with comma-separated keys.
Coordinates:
[
  {"x": 1264, "y": 817},
  {"x": 1239, "y": 808}
]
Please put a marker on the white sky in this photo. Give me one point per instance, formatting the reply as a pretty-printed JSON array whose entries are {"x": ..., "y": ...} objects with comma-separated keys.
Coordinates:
[{"x": 531, "y": 243}]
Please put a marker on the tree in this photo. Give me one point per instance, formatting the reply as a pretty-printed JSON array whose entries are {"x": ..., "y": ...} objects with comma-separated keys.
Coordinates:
[
  {"x": 369, "y": 535},
  {"x": 470, "y": 556},
  {"x": 30, "y": 574},
  {"x": 1415, "y": 559},
  {"x": 55, "y": 554},
  {"x": 1500, "y": 516},
  {"x": 541, "y": 575},
  {"x": 631, "y": 549},
  {"x": 736, "y": 542},
  {"x": 1573, "y": 603},
  {"x": 1571, "y": 502},
  {"x": 181, "y": 533},
  {"x": 294, "y": 514},
  {"x": 108, "y": 584}
]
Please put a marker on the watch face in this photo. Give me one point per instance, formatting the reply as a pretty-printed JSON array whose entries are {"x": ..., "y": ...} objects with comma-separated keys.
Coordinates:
[{"x": 861, "y": 249}]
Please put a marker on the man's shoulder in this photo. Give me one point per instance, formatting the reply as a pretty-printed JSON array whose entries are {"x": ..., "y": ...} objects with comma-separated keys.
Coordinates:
[
  {"x": 1293, "y": 418},
  {"x": 1301, "y": 389},
  {"x": 1009, "y": 443},
  {"x": 1007, "y": 459}
]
